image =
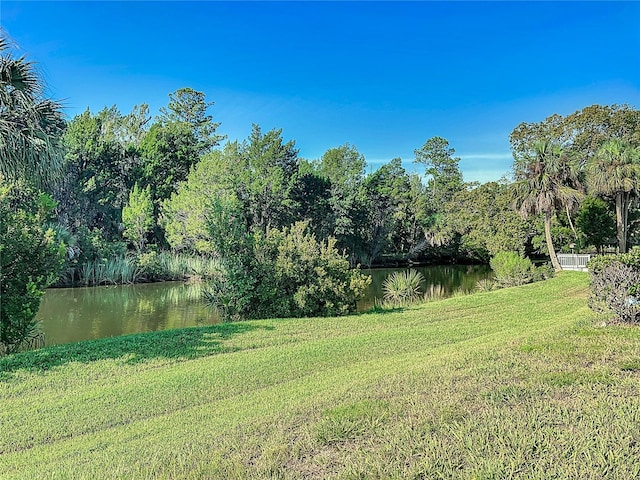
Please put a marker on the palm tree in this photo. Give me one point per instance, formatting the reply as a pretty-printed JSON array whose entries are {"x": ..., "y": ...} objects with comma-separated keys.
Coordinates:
[
  {"x": 30, "y": 124},
  {"x": 545, "y": 183},
  {"x": 615, "y": 171}
]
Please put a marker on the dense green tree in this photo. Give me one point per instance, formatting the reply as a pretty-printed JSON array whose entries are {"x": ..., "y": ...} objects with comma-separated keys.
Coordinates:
[
  {"x": 168, "y": 152},
  {"x": 443, "y": 169},
  {"x": 544, "y": 183},
  {"x": 189, "y": 107},
  {"x": 269, "y": 170},
  {"x": 344, "y": 167},
  {"x": 184, "y": 215},
  {"x": 258, "y": 173},
  {"x": 484, "y": 223},
  {"x": 592, "y": 126},
  {"x": 101, "y": 166},
  {"x": 615, "y": 171},
  {"x": 30, "y": 123},
  {"x": 137, "y": 216},
  {"x": 397, "y": 212},
  {"x": 30, "y": 259},
  {"x": 581, "y": 133},
  {"x": 596, "y": 222},
  {"x": 311, "y": 199}
]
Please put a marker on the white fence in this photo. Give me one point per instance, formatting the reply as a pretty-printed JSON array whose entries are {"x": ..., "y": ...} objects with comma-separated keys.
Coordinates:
[{"x": 573, "y": 261}]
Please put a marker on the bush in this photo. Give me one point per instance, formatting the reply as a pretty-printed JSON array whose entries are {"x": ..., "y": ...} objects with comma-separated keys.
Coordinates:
[
  {"x": 511, "y": 269},
  {"x": 615, "y": 285},
  {"x": 403, "y": 288},
  {"x": 30, "y": 260},
  {"x": 285, "y": 273}
]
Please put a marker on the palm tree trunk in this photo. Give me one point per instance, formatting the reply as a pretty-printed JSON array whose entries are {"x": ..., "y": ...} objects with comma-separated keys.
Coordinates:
[
  {"x": 552, "y": 251},
  {"x": 575, "y": 234},
  {"x": 621, "y": 222}
]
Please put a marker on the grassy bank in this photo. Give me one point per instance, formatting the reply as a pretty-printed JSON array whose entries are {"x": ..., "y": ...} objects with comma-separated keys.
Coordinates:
[{"x": 516, "y": 383}]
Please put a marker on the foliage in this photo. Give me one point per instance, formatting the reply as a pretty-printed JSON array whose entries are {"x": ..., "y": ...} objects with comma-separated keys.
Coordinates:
[
  {"x": 344, "y": 167},
  {"x": 168, "y": 152},
  {"x": 283, "y": 273},
  {"x": 614, "y": 288},
  {"x": 599, "y": 262},
  {"x": 442, "y": 167},
  {"x": 615, "y": 285},
  {"x": 30, "y": 123},
  {"x": 258, "y": 174},
  {"x": 189, "y": 107},
  {"x": 484, "y": 222},
  {"x": 545, "y": 182},
  {"x": 583, "y": 132},
  {"x": 403, "y": 288},
  {"x": 511, "y": 269},
  {"x": 170, "y": 266},
  {"x": 30, "y": 260},
  {"x": 615, "y": 171},
  {"x": 101, "y": 166},
  {"x": 137, "y": 216},
  {"x": 110, "y": 271},
  {"x": 397, "y": 213},
  {"x": 596, "y": 222}
]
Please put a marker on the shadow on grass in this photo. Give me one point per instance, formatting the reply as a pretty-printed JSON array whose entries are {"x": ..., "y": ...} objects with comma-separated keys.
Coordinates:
[{"x": 188, "y": 343}]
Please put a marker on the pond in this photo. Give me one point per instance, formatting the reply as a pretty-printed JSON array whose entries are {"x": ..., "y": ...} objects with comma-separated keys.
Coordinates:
[{"x": 75, "y": 314}]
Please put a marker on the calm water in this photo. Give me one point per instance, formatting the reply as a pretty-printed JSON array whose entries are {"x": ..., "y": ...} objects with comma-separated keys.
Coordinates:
[{"x": 74, "y": 314}]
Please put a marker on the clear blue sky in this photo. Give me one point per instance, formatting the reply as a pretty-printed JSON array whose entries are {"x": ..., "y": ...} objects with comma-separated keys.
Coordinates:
[{"x": 382, "y": 76}]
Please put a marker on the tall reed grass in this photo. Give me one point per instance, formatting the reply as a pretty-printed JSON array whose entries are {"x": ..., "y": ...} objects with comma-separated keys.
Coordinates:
[
  {"x": 172, "y": 266},
  {"x": 111, "y": 271}
]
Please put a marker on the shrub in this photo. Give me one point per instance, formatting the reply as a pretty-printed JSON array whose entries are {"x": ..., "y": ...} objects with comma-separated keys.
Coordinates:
[
  {"x": 402, "y": 288},
  {"x": 485, "y": 285},
  {"x": 511, "y": 269},
  {"x": 30, "y": 260},
  {"x": 283, "y": 273},
  {"x": 615, "y": 285}
]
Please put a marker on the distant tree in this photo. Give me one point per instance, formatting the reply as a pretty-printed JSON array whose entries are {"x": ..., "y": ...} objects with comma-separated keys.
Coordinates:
[
  {"x": 101, "y": 165},
  {"x": 259, "y": 174},
  {"x": 189, "y": 107},
  {"x": 397, "y": 212},
  {"x": 545, "y": 182},
  {"x": 311, "y": 197},
  {"x": 446, "y": 178},
  {"x": 168, "y": 152},
  {"x": 137, "y": 216},
  {"x": 485, "y": 223},
  {"x": 30, "y": 123},
  {"x": 596, "y": 222},
  {"x": 615, "y": 171},
  {"x": 269, "y": 171},
  {"x": 344, "y": 167},
  {"x": 581, "y": 133}
]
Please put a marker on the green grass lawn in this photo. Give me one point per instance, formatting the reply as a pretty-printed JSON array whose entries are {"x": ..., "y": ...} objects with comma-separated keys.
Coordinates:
[{"x": 517, "y": 383}]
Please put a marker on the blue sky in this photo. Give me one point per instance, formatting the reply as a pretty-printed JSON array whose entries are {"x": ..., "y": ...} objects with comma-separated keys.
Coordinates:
[{"x": 383, "y": 76}]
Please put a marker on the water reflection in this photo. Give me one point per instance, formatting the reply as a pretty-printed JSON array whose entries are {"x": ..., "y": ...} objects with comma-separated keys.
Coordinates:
[
  {"x": 74, "y": 314},
  {"x": 441, "y": 281}
]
